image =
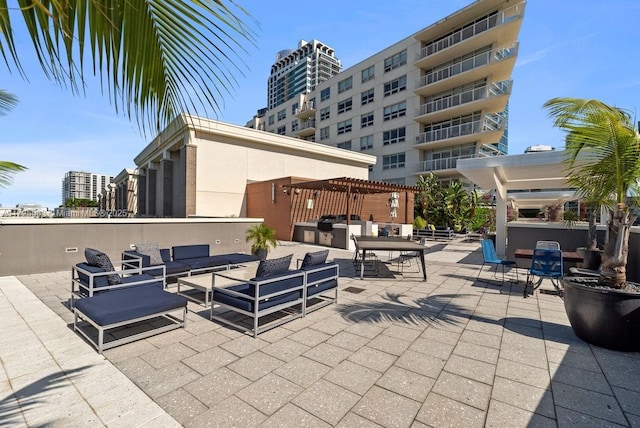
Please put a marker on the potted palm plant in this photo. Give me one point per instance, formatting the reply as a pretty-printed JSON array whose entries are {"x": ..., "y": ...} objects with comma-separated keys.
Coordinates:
[
  {"x": 603, "y": 159},
  {"x": 262, "y": 237}
]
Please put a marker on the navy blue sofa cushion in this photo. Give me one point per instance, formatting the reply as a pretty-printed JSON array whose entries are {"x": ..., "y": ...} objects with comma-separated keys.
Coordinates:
[
  {"x": 315, "y": 258},
  {"x": 322, "y": 280},
  {"x": 99, "y": 259},
  {"x": 273, "y": 266},
  {"x": 181, "y": 252},
  {"x": 238, "y": 258},
  {"x": 205, "y": 262},
  {"x": 248, "y": 289},
  {"x": 172, "y": 268},
  {"x": 128, "y": 304},
  {"x": 98, "y": 281}
]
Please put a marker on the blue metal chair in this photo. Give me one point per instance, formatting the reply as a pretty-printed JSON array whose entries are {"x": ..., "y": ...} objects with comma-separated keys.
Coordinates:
[
  {"x": 489, "y": 257},
  {"x": 545, "y": 263}
]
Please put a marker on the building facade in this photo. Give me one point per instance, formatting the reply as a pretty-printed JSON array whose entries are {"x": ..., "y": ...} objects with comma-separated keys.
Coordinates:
[
  {"x": 300, "y": 71},
  {"x": 421, "y": 104},
  {"x": 120, "y": 198},
  {"x": 84, "y": 185}
]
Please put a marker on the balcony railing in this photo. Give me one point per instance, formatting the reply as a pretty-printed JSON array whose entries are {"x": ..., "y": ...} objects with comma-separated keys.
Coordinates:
[
  {"x": 307, "y": 107},
  {"x": 471, "y": 95},
  {"x": 482, "y": 59},
  {"x": 307, "y": 125},
  {"x": 440, "y": 164},
  {"x": 489, "y": 123},
  {"x": 492, "y": 21}
]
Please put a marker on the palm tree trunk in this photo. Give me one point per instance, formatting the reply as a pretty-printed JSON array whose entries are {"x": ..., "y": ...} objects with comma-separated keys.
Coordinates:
[{"x": 614, "y": 256}]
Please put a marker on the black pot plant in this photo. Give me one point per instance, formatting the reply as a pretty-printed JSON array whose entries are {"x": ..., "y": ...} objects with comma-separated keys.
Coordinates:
[
  {"x": 262, "y": 237},
  {"x": 603, "y": 160}
]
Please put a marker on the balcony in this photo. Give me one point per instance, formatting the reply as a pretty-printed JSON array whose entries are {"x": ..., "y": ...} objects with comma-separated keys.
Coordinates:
[
  {"x": 306, "y": 111},
  {"x": 435, "y": 165},
  {"x": 306, "y": 128},
  {"x": 483, "y": 131},
  {"x": 492, "y": 98},
  {"x": 500, "y": 28},
  {"x": 496, "y": 63}
]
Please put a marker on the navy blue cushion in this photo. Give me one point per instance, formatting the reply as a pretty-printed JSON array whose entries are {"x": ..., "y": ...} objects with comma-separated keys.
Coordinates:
[
  {"x": 205, "y": 262},
  {"x": 181, "y": 252},
  {"x": 220, "y": 296},
  {"x": 315, "y": 258},
  {"x": 238, "y": 258},
  {"x": 324, "y": 279},
  {"x": 128, "y": 304},
  {"x": 166, "y": 254},
  {"x": 273, "y": 266},
  {"x": 98, "y": 281},
  {"x": 100, "y": 259}
]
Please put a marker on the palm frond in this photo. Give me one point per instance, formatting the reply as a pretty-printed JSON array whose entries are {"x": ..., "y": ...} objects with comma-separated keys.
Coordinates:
[
  {"x": 7, "y": 171},
  {"x": 156, "y": 58},
  {"x": 7, "y": 101}
]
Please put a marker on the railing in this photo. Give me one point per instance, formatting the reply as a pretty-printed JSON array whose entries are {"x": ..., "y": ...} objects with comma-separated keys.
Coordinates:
[
  {"x": 484, "y": 58},
  {"x": 490, "y": 123},
  {"x": 308, "y": 124},
  {"x": 440, "y": 164},
  {"x": 494, "y": 90},
  {"x": 458, "y": 36},
  {"x": 307, "y": 106}
]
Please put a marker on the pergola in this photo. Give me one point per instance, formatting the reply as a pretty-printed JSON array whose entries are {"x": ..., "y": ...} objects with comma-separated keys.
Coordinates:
[
  {"x": 355, "y": 186},
  {"x": 532, "y": 178}
]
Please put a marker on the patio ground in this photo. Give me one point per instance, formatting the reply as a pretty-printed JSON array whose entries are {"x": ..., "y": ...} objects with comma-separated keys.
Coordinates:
[{"x": 450, "y": 351}]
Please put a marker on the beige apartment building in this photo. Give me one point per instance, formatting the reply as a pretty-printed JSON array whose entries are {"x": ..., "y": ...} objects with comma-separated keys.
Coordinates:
[{"x": 421, "y": 104}]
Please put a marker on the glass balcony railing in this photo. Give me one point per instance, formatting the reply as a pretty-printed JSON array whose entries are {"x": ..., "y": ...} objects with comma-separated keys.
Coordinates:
[
  {"x": 307, "y": 125},
  {"x": 458, "y": 36},
  {"x": 308, "y": 106},
  {"x": 479, "y": 60},
  {"x": 489, "y": 123},
  {"x": 471, "y": 95},
  {"x": 440, "y": 164}
]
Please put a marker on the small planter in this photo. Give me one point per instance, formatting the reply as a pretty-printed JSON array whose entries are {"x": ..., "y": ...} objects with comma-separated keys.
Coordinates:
[
  {"x": 602, "y": 316},
  {"x": 260, "y": 252}
]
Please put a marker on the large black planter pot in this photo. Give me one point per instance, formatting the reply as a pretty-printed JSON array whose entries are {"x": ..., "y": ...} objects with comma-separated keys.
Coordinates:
[
  {"x": 261, "y": 253},
  {"x": 603, "y": 317}
]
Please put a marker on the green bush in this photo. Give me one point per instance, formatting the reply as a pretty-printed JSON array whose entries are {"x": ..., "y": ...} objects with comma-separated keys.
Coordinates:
[{"x": 419, "y": 223}]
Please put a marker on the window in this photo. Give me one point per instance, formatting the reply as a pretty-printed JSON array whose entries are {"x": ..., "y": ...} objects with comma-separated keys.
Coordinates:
[
  {"x": 366, "y": 120},
  {"x": 366, "y": 142},
  {"x": 294, "y": 109},
  {"x": 370, "y": 168},
  {"x": 344, "y": 105},
  {"x": 368, "y": 74},
  {"x": 282, "y": 130},
  {"x": 295, "y": 125},
  {"x": 395, "y": 61},
  {"x": 395, "y": 85},
  {"x": 344, "y": 127},
  {"x": 325, "y": 94},
  {"x": 395, "y": 160},
  {"x": 345, "y": 85},
  {"x": 393, "y": 136},
  {"x": 324, "y": 133},
  {"x": 272, "y": 120},
  {"x": 394, "y": 111},
  {"x": 282, "y": 114},
  {"x": 346, "y": 145},
  {"x": 366, "y": 97},
  {"x": 324, "y": 113}
]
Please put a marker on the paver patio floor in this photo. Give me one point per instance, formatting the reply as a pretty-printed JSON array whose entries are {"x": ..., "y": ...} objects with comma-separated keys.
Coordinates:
[{"x": 395, "y": 352}]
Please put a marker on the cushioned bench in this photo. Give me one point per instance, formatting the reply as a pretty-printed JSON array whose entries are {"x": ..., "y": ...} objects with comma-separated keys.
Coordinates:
[{"x": 118, "y": 308}]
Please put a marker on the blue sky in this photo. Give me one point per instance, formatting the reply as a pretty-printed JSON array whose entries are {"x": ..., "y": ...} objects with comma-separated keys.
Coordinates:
[{"x": 572, "y": 48}]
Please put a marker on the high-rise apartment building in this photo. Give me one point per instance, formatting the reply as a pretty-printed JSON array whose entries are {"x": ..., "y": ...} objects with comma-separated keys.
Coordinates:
[
  {"x": 84, "y": 185},
  {"x": 421, "y": 104},
  {"x": 299, "y": 71}
]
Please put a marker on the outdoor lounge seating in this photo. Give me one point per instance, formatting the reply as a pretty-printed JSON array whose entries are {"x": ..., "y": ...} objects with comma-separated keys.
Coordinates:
[
  {"x": 320, "y": 282},
  {"x": 489, "y": 257},
  {"x": 98, "y": 274},
  {"x": 123, "y": 307},
  {"x": 545, "y": 263},
  {"x": 183, "y": 260}
]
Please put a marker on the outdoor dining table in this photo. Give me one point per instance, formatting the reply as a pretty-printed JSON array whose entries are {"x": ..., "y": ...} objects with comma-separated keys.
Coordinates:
[
  {"x": 567, "y": 256},
  {"x": 389, "y": 244}
]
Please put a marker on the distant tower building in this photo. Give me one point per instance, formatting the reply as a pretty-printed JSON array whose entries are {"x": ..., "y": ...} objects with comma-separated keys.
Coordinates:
[
  {"x": 299, "y": 71},
  {"x": 84, "y": 185}
]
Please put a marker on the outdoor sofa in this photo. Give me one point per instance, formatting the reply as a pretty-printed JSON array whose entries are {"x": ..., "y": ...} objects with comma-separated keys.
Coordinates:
[
  {"x": 182, "y": 260},
  {"x": 277, "y": 294}
]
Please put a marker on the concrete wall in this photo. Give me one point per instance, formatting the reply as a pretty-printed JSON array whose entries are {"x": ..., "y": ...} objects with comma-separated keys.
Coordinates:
[
  {"x": 525, "y": 235},
  {"x": 53, "y": 245}
]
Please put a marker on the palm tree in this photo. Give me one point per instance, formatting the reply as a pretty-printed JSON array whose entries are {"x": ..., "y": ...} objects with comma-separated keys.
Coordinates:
[
  {"x": 156, "y": 58},
  {"x": 262, "y": 237},
  {"x": 8, "y": 169},
  {"x": 603, "y": 149}
]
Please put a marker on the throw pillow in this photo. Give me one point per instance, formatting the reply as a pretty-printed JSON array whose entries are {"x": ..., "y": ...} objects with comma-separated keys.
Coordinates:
[
  {"x": 101, "y": 260},
  {"x": 316, "y": 258},
  {"x": 151, "y": 250},
  {"x": 273, "y": 266}
]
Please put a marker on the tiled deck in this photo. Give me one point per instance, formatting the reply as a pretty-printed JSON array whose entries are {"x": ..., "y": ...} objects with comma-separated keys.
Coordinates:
[{"x": 447, "y": 352}]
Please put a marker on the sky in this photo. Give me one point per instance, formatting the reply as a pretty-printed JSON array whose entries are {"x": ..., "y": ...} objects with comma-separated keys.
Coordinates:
[{"x": 568, "y": 48}]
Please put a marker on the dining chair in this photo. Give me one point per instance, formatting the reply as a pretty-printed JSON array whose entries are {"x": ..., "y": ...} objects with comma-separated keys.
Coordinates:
[
  {"x": 549, "y": 245},
  {"x": 545, "y": 263},
  {"x": 489, "y": 257}
]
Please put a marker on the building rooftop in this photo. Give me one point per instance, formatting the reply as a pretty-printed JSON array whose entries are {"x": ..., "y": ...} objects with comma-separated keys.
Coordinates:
[{"x": 395, "y": 351}]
